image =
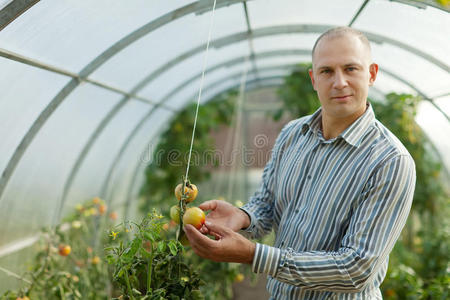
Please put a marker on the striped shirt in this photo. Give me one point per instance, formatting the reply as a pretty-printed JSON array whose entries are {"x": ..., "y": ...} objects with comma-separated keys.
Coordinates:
[{"x": 337, "y": 207}]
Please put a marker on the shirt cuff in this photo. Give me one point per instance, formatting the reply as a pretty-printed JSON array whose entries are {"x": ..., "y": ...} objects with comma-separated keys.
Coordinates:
[
  {"x": 266, "y": 259},
  {"x": 250, "y": 228}
]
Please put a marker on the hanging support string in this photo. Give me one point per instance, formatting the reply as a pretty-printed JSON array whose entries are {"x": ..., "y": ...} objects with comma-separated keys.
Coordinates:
[{"x": 205, "y": 60}]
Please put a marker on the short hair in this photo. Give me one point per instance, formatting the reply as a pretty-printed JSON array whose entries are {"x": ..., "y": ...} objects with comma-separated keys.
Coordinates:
[{"x": 341, "y": 31}]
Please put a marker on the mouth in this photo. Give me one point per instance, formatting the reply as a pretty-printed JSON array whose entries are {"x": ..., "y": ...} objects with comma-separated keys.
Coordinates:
[{"x": 341, "y": 98}]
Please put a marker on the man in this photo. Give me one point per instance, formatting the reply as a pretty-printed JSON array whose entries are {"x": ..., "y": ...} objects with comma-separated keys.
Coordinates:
[{"x": 337, "y": 190}]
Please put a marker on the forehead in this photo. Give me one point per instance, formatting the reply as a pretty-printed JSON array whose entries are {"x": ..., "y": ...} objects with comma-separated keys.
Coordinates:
[{"x": 340, "y": 50}]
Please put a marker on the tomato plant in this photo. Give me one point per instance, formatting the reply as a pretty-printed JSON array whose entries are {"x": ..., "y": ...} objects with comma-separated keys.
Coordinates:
[
  {"x": 68, "y": 263},
  {"x": 148, "y": 265}
]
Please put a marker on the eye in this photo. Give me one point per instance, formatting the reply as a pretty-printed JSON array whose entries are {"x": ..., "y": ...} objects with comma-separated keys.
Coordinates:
[
  {"x": 325, "y": 71},
  {"x": 351, "y": 69}
]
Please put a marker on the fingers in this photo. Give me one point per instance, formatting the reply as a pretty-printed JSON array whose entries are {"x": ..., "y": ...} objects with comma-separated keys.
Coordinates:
[
  {"x": 217, "y": 229},
  {"x": 196, "y": 237},
  {"x": 209, "y": 205},
  {"x": 200, "y": 244}
]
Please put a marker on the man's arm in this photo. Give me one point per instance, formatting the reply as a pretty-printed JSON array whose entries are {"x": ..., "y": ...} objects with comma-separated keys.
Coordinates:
[{"x": 373, "y": 230}]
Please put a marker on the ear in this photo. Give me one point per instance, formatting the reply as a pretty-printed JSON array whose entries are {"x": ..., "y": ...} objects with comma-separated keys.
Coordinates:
[
  {"x": 373, "y": 70},
  {"x": 311, "y": 75}
]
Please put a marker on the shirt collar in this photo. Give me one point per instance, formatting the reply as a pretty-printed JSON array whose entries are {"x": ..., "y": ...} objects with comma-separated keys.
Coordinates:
[{"x": 353, "y": 134}]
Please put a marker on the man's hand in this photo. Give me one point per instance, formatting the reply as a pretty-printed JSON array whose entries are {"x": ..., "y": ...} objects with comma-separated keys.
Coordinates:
[
  {"x": 229, "y": 246},
  {"x": 224, "y": 214}
]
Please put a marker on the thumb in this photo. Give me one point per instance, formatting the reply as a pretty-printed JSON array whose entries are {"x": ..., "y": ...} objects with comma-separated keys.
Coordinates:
[
  {"x": 208, "y": 205},
  {"x": 218, "y": 229}
]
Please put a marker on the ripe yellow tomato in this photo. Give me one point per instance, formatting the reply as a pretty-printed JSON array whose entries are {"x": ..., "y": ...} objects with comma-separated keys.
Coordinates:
[
  {"x": 64, "y": 250},
  {"x": 239, "y": 277},
  {"x": 95, "y": 260},
  {"x": 175, "y": 214},
  {"x": 191, "y": 192},
  {"x": 194, "y": 216}
]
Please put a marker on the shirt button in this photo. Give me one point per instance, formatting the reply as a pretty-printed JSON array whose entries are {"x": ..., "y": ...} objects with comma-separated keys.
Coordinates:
[
  {"x": 296, "y": 210},
  {"x": 308, "y": 177}
]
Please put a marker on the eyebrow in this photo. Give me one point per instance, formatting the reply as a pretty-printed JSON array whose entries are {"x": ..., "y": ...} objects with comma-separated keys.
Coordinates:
[{"x": 351, "y": 64}]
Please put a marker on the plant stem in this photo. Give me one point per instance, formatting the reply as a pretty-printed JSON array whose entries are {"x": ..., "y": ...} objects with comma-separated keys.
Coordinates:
[
  {"x": 127, "y": 280},
  {"x": 149, "y": 272}
]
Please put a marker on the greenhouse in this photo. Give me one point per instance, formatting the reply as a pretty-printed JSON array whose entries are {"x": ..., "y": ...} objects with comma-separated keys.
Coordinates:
[{"x": 107, "y": 107}]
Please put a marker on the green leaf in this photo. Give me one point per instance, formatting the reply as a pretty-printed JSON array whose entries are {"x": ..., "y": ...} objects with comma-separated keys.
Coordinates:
[
  {"x": 149, "y": 236},
  {"x": 131, "y": 251},
  {"x": 173, "y": 248},
  {"x": 161, "y": 247}
]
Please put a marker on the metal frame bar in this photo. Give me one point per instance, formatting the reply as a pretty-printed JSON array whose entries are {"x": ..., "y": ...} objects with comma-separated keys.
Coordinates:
[
  {"x": 358, "y": 13},
  {"x": 123, "y": 148},
  {"x": 35, "y": 63},
  {"x": 231, "y": 63},
  {"x": 419, "y": 92},
  {"x": 79, "y": 161},
  {"x": 13, "y": 10}
]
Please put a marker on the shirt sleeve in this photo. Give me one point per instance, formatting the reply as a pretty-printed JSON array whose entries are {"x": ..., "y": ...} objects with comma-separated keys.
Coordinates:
[
  {"x": 261, "y": 204},
  {"x": 374, "y": 228}
]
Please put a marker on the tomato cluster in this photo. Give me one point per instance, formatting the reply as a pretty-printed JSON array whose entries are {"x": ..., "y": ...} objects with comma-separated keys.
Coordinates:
[{"x": 192, "y": 215}]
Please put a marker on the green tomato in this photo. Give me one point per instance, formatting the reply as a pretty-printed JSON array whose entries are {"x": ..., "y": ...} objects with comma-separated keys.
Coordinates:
[{"x": 175, "y": 214}]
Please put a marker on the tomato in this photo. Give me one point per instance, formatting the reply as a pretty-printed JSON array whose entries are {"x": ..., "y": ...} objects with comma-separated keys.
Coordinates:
[
  {"x": 147, "y": 245},
  {"x": 102, "y": 208},
  {"x": 96, "y": 200},
  {"x": 194, "y": 216},
  {"x": 390, "y": 293},
  {"x": 113, "y": 215},
  {"x": 95, "y": 260},
  {"x": 64, "y": 250},
  {"x": 239, "y": 277},
  {"x": 191, "y": 192},
  {"x": 175, "y": 214}
]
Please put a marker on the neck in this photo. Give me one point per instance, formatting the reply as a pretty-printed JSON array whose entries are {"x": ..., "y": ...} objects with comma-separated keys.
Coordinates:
[{"x": 333, "y": 127}]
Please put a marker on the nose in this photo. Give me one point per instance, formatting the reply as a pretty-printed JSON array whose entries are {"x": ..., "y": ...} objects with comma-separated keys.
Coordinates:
[{"x": 340, "y": 81}]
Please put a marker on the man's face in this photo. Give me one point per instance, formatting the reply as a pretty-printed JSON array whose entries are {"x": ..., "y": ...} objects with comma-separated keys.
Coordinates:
[{"x": 341, "y": 75}]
